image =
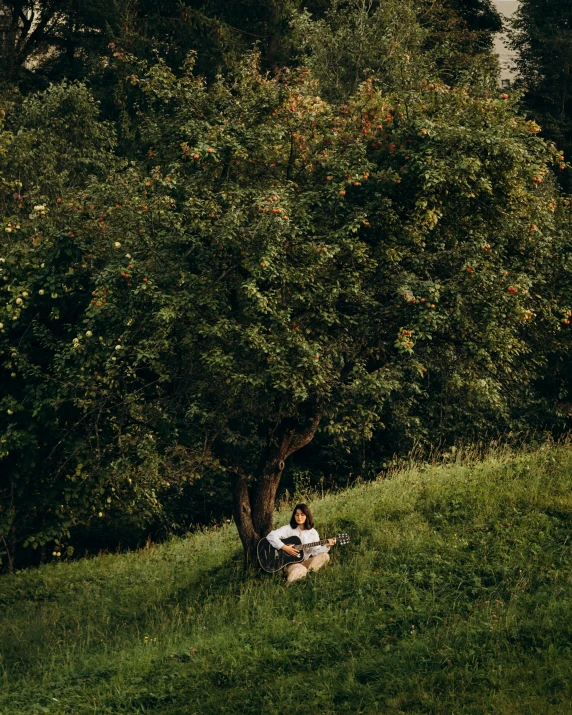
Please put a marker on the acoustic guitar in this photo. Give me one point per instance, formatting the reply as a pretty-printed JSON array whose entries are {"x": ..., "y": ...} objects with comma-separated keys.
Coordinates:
[{"x": 272, "y": 560}]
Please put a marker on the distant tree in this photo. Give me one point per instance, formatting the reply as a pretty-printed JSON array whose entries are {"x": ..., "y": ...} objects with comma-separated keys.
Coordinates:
[
  {"x": 542, "y": 36},
  {"x": 460, "y": 36},
  {"x": 65, "y": 34},
  {"x": 479, "y": 16},
  {"x": 352, "y": 40},
  {"x": 56, "y": 39},
  {"x": 48, "y": 41}
]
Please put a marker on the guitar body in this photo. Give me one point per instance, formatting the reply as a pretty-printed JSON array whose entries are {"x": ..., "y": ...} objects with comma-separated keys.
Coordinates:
[{"x": 272, "y": 560}]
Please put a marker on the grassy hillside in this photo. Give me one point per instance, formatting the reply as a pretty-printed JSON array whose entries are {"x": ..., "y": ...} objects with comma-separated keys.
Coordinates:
[{"x": 455, "y": 596}]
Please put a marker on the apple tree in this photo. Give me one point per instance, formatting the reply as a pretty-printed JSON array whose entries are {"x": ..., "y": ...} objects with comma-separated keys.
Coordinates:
[
  {"x": 287, "y": 265},
  {"x": 272, "y": 265}
]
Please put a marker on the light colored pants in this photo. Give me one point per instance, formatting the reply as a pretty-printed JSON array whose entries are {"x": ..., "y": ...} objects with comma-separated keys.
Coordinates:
[{"x": 297, "y": 571}]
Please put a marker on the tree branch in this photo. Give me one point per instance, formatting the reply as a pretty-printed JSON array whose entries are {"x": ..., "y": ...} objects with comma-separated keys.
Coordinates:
[{"x": 301, "y": 439}]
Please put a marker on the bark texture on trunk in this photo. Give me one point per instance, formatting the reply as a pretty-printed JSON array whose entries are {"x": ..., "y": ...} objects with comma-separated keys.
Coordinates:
[
  {"x": 254, "y": 498},
  {"x": 243, "y": 518}
]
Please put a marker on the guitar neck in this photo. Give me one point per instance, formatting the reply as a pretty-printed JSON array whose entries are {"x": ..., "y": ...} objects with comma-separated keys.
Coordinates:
[{"x": 314, "y": 543}]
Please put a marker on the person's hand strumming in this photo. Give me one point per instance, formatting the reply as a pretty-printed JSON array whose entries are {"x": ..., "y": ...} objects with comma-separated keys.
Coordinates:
[{"x": 290, "y": 550}]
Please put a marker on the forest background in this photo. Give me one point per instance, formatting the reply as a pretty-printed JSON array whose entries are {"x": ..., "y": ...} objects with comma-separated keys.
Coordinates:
[{"x": 262, "y": 246}]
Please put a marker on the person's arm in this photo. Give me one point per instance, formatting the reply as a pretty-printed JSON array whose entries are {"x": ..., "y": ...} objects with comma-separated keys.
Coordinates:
[
  {"x": 318, "y": 549},
  {"x": 275, "y": 537}
]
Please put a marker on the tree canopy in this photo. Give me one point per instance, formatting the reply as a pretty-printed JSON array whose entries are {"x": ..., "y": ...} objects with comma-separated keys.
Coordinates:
[{"x": 273, "y": 264}]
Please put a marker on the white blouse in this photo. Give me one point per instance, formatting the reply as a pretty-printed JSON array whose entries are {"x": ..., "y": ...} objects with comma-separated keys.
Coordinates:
[{"x": 306, "y": 537}]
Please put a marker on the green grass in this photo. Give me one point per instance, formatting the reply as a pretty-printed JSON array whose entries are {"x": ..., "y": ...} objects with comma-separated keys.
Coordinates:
[{"x": 455, "y": 596}]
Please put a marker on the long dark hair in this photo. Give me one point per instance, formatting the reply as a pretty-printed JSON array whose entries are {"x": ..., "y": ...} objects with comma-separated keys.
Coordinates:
[{"x": 309, "y": 523}]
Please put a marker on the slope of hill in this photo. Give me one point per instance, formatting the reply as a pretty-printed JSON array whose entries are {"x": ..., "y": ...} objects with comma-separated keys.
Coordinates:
[{"x": 453, "y": 597}]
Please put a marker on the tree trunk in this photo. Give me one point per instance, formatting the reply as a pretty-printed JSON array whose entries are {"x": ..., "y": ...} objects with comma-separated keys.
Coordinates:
[
  {"x": 11, "y": 42},
  {"x": 275, "y": 32},
  {"x": 243, "y": 519},
  {"x": 254, "y": 499},
  {"x": 10, "y": 546}
]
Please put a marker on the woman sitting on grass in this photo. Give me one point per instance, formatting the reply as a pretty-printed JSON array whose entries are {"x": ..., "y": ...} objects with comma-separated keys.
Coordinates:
[{"x": 301, "y": 525}]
